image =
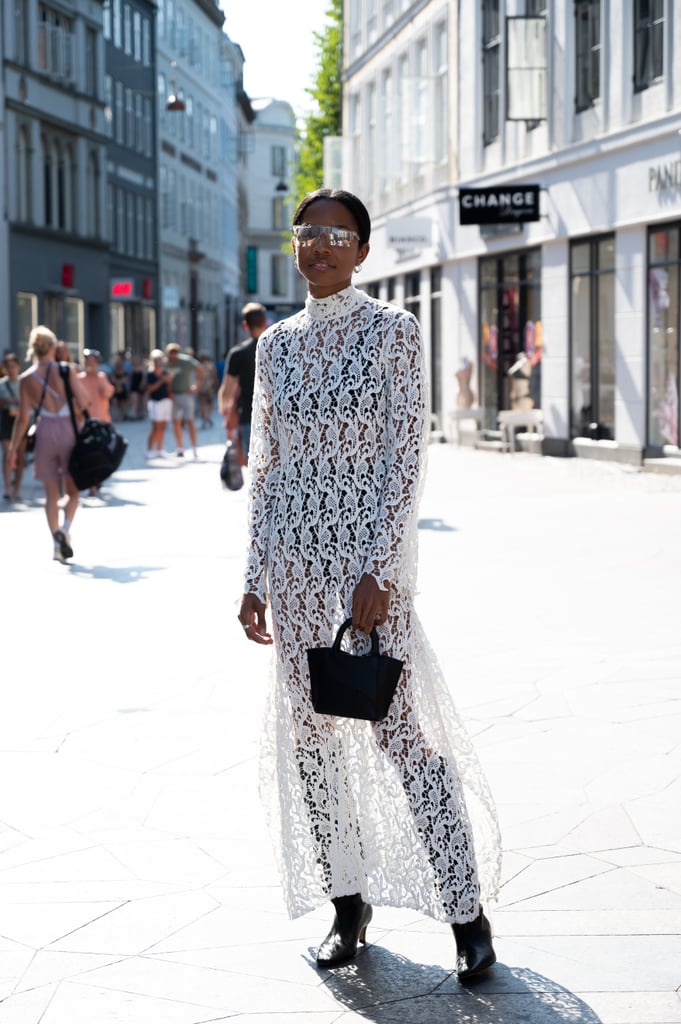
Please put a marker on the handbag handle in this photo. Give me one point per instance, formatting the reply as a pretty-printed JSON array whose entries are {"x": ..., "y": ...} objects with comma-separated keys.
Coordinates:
[{"x": 341, "y": 633}]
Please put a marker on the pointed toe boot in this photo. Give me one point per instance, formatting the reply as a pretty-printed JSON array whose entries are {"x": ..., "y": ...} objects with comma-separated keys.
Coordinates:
[
  {"x": 349, "y": 928},
  {"x": 475, "y": 953}
]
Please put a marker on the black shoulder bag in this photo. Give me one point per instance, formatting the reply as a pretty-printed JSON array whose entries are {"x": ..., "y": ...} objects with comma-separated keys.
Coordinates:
[{"x": 99, "y": 449}]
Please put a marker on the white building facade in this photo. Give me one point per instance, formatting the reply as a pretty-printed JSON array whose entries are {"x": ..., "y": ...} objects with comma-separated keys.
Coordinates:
[
  {"x": 572, "y": 107},
  {"x": 269, "y": 161},
  {"x": 199, "y": 65}
]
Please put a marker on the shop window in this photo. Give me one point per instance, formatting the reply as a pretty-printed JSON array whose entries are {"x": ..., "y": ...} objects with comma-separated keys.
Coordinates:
[
  {"x": 664, "y": 290},
  {"x": 412, "y": 294},
  {"x": 648, "y": 42},
  {"x": 491, "y": 59},
  {"x": 436, "y": 347},
  {"x": 511, "y": 336},
  {"x": 587, "y": 53},
  {"x": 592, "y": 338}
]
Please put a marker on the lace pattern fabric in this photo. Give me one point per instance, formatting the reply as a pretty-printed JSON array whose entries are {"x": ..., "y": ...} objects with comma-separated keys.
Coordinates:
[{"x": 337, "y": 462}]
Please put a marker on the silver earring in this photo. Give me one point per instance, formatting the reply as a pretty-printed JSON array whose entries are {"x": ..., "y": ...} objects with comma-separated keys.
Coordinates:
[{"x": 357, "y": 269}]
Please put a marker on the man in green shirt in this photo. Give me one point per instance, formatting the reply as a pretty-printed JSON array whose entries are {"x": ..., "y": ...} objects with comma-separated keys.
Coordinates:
[{"x": 186, "y": 376}]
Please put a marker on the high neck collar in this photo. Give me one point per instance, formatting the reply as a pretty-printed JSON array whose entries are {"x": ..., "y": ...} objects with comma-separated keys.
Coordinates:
[{"x": 333, "y": 307}]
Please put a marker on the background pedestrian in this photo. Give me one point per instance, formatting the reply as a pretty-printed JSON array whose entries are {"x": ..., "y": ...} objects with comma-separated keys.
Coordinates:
[
  {"x": 236, "y": 390},
  {"x": 159, "y": 403},
  {"x": 42, "y": 386},
  {"x": 186, "y": 378},
  {"x": 9, "y": 410}
]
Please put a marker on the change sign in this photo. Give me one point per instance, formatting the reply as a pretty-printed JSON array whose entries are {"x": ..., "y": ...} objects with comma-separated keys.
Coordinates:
[{"x": 499, "y": 205}]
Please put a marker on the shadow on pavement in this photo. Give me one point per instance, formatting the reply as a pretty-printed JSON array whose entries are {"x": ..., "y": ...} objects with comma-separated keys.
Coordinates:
[
  {"x": 124, "y": 574},
  {"x": 384, "y": 987}
]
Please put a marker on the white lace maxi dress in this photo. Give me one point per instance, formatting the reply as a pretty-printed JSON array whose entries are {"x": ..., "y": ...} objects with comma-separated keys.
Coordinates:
[{"x": 336, "y": 461}]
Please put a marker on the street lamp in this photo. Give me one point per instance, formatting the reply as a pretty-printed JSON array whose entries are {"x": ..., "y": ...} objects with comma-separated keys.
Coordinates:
[{"x": 175, "y": 101}]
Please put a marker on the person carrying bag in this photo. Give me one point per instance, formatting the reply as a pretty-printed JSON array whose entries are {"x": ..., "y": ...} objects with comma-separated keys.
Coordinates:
[{"x": 99, "y": 448}]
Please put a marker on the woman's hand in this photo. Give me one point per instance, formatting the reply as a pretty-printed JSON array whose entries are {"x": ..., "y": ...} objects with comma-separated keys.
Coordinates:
[
  {"x": 369, "y": 604},
  {"x": 252, "y": 618}
]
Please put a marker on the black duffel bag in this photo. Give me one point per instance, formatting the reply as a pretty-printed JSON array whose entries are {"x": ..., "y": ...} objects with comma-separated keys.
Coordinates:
[{"x": 99, "y": 448}]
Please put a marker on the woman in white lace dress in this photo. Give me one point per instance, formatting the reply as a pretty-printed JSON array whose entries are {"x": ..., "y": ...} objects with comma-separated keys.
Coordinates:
[{"x": 362, "y": 813}]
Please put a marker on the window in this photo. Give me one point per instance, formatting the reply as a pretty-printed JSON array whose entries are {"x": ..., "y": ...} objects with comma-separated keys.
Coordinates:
[
  {"x": 421, "y": 110},
  {"x": 55, "y": 43},
  {"x": 23, "y": 175},
  {"x": 371, "y": 133},
  {"x": 386, "y": 131},
  {"x": 120, "y": 220},
  {"x": 108, "y": 105},
  {"x": 137, "y": 36},
  {"x": 129, "y": 119},
  {"x": 110, "y": 215},
  {"x": 189, "y": 117},
  {"x": 127, "y": 29},
  {"x": 491, "y": 57},
  {"x": 130, "y": 224},
  {"x": 117, "y": 36},
  {"x": 139, "y": 201},
  {"x": 401, "y": 127},
  {"x": 20, "y": 32},
  {"x": 106, "y": 19},
  {"x": 440, "y": 67},
  {"x": 119, "y": 122},
  {"x": 146, "y": 43},
  {"x": 278, "y": 162},
  {"x": 149, "y": 234},
  {"x": 592, "y": 336},
  {"x": 648, "y": 42},
  {"x": 92, "y": 196},
  {"x": 279, "y": 213},
  {"x": 162, "y": 97},
  {"x": 587, "y": 53},
  {"x": 90, "y": 62},
  {"x": 280, "y": 265},
  {"x": 664, "y": 324},
  {"x": 139, "y": 124},
  {"x": 147, "y": 128}
]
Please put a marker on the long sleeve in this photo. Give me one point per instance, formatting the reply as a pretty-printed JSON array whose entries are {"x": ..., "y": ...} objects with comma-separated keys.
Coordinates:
[
  {"x": 264, "y": 470},
  {"x": 405, "y": 455}
]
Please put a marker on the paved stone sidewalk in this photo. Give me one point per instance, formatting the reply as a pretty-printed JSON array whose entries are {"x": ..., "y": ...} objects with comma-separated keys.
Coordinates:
[{"x": 136, "y": 880}]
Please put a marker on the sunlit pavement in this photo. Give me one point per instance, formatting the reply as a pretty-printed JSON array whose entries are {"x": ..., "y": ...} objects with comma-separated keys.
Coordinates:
[{"x": 136, "y": 879}]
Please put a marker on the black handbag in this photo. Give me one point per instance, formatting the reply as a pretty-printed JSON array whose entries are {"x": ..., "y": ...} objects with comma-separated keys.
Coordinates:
[
  {"x": 352, "y": 685},
  {"x": 230, "y": 471},
  {"x": 99, "y": 448}
]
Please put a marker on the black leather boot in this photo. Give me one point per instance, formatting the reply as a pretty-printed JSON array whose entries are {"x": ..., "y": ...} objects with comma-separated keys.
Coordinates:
[
  {"x": 349, "y": 927},
  {"x": 475, "y": 953}
]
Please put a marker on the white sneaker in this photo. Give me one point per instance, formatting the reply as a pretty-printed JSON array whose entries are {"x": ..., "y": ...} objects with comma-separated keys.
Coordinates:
[
  {"x": 63, "y": 541},
  {"x": 57, "y": 556}
]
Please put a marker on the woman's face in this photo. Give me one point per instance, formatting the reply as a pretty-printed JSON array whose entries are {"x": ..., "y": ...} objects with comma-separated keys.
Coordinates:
[
  {"x": 328, "y": 268},
  {"x": 12, "y": 367}
]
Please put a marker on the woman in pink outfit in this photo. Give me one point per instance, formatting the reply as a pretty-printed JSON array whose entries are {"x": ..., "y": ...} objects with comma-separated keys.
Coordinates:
[{"x": 42, "y": 387}]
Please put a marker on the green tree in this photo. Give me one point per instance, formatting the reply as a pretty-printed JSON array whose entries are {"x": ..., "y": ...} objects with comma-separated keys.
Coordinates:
[{"x": 325, "y": 118}]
